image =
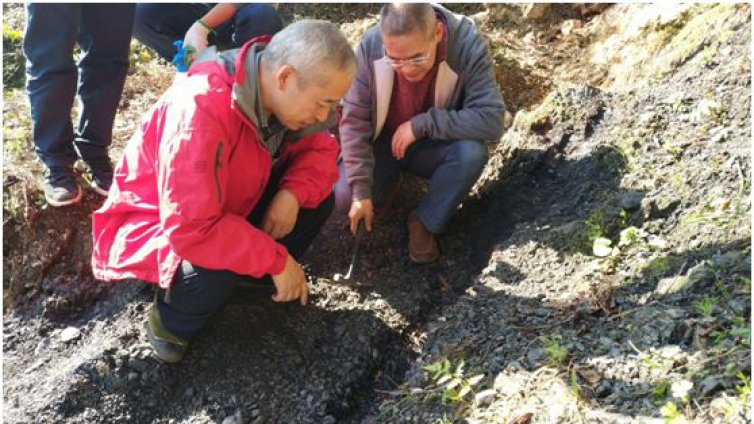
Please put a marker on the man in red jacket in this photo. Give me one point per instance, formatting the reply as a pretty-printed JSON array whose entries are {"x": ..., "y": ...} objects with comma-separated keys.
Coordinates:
[{"x": 228, "y": 178}]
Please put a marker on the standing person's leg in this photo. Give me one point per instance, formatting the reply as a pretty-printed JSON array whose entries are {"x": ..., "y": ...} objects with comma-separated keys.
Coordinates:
[
  {"x": 49, "y": 38},
  {"x": 103, "y": 67},
  {"x": 254, "y": 20},
  {"x": 198, "y": 293},
  {"x": 159, "y": 25}
]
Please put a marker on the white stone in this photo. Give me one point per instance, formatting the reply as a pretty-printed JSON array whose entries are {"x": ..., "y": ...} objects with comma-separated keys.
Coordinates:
[{"x": 70, "y": 334}]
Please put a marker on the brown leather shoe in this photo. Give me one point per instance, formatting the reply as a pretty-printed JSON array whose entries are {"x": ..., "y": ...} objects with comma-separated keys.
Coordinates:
[{"x": 422, "y": 245}]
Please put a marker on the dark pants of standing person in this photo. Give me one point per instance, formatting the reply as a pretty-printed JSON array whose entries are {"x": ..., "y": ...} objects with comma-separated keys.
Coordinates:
[
  {"x": 198, "y": 293},
  {"x": 159, "y": 25},
  {"x": 103, "y": 32}
]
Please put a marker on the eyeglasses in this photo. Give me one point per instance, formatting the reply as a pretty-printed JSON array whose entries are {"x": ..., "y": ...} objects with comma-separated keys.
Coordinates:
[{"x": 414, "y": 61}]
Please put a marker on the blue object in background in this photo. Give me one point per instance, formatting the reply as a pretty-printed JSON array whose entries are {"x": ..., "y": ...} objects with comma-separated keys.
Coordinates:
[{"x": 185, "y": 56}]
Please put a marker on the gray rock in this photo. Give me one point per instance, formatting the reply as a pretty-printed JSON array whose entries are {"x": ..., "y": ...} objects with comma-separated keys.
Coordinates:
[
  {"x": 536, "y": 356},
  {"x": 631, "y": 201},
  {"x": 660, "y": 206},
  {"x": 700, "y": 273},
  {"x": 673, "y": 285},
  {"x": 726, "y": 260},
  {"x": 70, "y": 334},
  {"x": 710, "y": 385},
  {"x": 542, "y": 312},
  {"x": 43, "y": 345},
  {"x": 236, "y": 418},
  {"x": 507, "y": 385}
]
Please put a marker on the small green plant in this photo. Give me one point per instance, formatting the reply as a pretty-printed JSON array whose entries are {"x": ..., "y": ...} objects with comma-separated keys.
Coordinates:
[
  {"x": 741, "y": 331},
  {"x": 719, "y": 337},
  {"x": 451, "y": 382},
  {"x": 705, "y": 306},
  {"x": 595, "y": 223},
  {"x": 631, "y": 236},
  {"x": 722, "y": 288},
  {"x": 575, "y": 391},
  {"x": 747, "y": 283},
  {"x": 661, "y": 391},
  {"x": 744, "y": 389},
  {"x": 555, "y": 350},
  {"x": 671, "y": 414},
  {"x": 656, "y": 362}
]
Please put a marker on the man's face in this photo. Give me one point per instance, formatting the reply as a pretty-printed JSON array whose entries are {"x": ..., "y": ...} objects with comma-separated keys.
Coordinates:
[
  {"x": 412, "y": 55},
  {"x": 299, "y": 108}
]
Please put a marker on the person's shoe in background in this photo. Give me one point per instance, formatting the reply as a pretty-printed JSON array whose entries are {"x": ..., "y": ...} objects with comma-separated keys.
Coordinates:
[
  {"x": 101, "y": 172},
  {"x": 60, "y": 186}
]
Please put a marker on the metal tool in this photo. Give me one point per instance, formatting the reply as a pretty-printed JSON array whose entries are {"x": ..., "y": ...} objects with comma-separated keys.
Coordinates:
[{"x": 353, "y": 268}]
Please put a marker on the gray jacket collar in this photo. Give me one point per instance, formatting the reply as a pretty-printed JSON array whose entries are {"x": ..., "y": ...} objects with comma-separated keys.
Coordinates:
[{"x": 272, "y": 133}]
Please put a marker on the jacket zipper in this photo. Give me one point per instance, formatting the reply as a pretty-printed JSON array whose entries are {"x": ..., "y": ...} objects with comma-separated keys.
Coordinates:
[{"x": 218, "y": 165}]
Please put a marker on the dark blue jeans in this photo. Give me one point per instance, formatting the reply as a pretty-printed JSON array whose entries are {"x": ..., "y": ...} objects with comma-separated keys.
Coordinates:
[
  {"x": 452, "y": 168},
  {"x": 198, "y": 293},
  {"x": 158, "y": 25},
  {"x": 103, "y": 32}
]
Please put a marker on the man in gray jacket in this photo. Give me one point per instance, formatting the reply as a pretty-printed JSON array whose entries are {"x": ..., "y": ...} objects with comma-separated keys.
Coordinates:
[{"x": 424, "y": 100}]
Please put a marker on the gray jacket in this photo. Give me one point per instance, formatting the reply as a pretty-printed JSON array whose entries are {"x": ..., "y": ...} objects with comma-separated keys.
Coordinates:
[{"x": 467, "y": 102}]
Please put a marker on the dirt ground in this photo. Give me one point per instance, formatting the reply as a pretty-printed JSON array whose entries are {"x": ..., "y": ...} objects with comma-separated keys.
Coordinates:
[{"x": 631, "y": 132}]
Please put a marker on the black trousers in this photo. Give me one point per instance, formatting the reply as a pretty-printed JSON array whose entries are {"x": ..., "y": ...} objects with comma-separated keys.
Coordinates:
[
  {"x": 198, "y": 293},
  {"x": 103, "y": 32}
]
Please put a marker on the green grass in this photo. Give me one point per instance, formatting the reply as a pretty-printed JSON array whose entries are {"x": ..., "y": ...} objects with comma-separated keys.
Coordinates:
[
  {"x": 555, "y": 350},
  {"x": 13, "y": 59}
]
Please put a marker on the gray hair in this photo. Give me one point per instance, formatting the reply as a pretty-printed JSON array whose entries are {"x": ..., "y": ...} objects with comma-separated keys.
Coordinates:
[
  {"x": 405, "y": 18},
  {"x": 313, "y": 48}
]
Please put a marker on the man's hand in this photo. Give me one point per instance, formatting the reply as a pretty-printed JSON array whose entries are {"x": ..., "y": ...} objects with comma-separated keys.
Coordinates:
[
  {"x": 281, "y": 215},
  {"x": 361, "y": 209},
  {"x": 196, "y": 37},
  {"x": 291, "y": 283},
  {"x": 402, "y": 138}
]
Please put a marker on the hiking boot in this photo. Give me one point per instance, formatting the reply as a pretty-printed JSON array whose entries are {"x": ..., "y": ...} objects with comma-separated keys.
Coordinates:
[
  {"x": 422, "y": 245},
  {"x": 101, "y": 171},
  {"x": 60, "y": 186},
  {"x": 167, "y": 346}
]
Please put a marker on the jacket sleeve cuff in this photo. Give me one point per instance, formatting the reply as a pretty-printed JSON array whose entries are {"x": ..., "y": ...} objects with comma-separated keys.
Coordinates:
[
  {"x": 281, "y": 256},
  {"x": 420, "y": 126},
  {"x": 362, "y": 191}
]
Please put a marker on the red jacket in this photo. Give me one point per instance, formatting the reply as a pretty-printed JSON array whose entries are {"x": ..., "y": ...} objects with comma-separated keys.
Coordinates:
[{"x": 188, "y": 178}]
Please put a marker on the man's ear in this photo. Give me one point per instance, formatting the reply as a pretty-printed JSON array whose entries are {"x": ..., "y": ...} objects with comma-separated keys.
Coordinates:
[
  {"x": 438, "y": 31},
  {"x": 284, "y": 75}
]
